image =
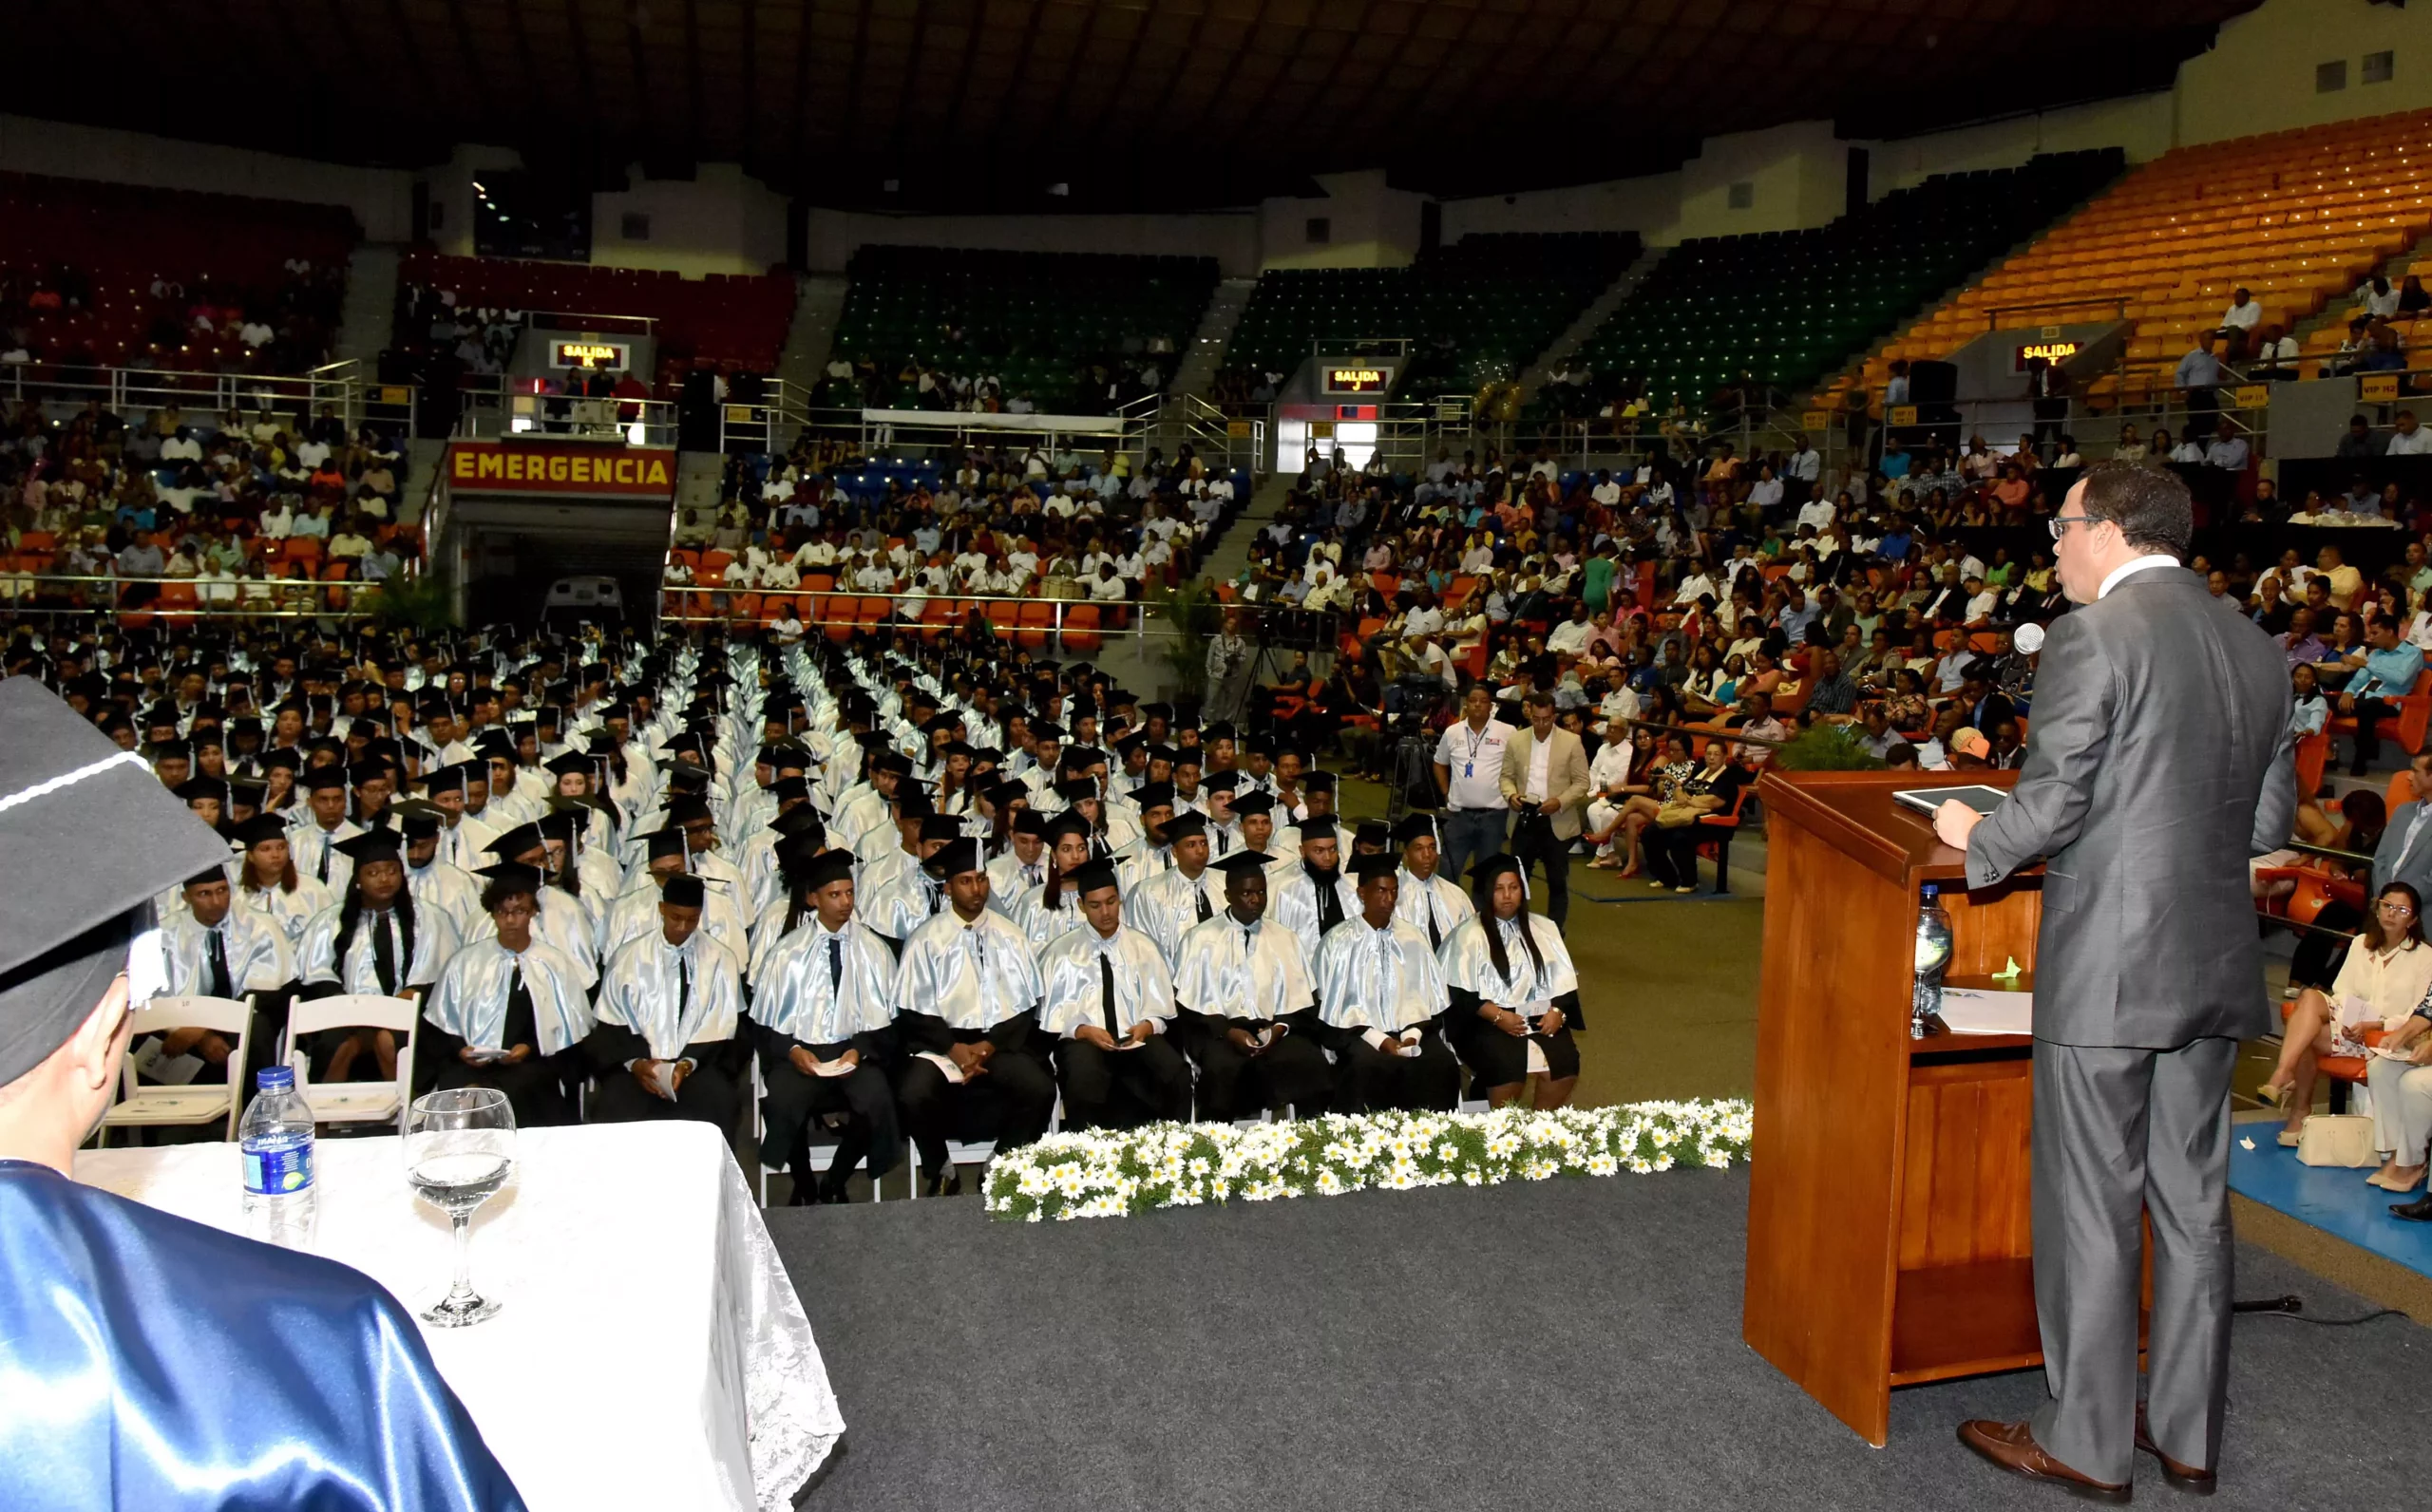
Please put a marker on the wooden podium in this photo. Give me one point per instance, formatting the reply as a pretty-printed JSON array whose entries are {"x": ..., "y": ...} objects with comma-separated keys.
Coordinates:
[{"x": 1888, "y": 1205}]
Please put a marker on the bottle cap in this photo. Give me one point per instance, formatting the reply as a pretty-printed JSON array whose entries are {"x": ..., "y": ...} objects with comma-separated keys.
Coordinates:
[
  {"x": 1930, "y": 891},
  {"x": 274, "y": 1079}
]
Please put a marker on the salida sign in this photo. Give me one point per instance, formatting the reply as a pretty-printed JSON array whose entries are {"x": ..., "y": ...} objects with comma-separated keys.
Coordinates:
[{"x": 537, "y": 467}]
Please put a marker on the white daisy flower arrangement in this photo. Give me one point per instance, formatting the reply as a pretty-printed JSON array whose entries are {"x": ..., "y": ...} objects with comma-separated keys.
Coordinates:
[{"x": 1112, "y": 1173}]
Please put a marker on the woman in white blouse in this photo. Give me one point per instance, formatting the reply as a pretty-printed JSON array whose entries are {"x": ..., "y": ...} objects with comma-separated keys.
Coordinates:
[{"x": 2386, "y": 975}]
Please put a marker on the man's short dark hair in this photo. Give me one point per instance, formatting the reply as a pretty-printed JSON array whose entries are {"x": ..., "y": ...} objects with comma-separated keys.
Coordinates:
[
  {"x": 1539, "y": 698},
  {"x": 2151, "y": 507}
]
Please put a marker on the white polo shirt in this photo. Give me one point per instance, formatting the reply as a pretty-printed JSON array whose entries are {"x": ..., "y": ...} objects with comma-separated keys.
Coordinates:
[{"x": 1473, "y": 760}]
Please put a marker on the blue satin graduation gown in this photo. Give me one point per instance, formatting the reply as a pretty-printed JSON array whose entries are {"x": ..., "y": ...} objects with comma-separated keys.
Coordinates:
[{"x": 150, "y": 1362}]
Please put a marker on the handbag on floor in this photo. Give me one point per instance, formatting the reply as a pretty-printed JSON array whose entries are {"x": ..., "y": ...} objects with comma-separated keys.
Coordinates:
[{"x": 2337, "y": 1139}]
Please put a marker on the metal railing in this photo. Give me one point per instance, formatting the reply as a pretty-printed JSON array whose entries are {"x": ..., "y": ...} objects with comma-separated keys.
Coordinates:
[
  {"x": 133, "y": 393},
  {"x": 494, "y": 407},
  {"x": 23, "y": 593},
  {"x": 715, "y": 604},
  {"x": 784, "y": 415}
]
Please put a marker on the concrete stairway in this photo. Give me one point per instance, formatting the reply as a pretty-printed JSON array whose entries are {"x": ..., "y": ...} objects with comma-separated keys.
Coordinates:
[
  {"x": 1197, "y": 371},
  {"x": 367, "y": 319},
  {"x": 819, "y": 301},
  {"x": 1567, "y": 345},
  {"x": 1232, "y": 554}
]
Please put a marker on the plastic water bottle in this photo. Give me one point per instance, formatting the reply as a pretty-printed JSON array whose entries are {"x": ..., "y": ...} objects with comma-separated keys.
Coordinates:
[
  {"x": 276, "y": 1140},
  {"x": 1933, "y": 954}
]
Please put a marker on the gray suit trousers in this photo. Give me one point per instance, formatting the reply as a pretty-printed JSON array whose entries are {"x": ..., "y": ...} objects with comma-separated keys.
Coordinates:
[{"x": 2119, "y": 1134}]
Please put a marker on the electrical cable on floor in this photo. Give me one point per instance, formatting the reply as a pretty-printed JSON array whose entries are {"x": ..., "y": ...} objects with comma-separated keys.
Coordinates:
[{"x": 2292, "y": 1306}]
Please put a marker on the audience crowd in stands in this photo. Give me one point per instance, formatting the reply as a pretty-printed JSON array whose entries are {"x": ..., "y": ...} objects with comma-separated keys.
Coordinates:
[
  {"x": 259, "y": 509},
  {"x": 1011, "y": 521}
]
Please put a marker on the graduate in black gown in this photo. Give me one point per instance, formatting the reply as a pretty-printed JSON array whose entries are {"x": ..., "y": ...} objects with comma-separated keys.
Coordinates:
[
  {"x": 1243, "y": 988},
  {"x": 1106, "y": 1002},
  {"x": 669, "y": 1040},
  {"x": 1381, "y": 999},
  {"x": 823, "y": 1002},
  {"x": 1513, "y": 991},
  {"x": 966, "y": 1009},
  {"x": 509, "y": 1011}
]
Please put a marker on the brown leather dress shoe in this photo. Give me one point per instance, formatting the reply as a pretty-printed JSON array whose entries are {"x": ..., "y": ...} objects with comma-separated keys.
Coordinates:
[
  {"x": 2012, "y": 1446},
  {"x": 2185, "y": 1477}
]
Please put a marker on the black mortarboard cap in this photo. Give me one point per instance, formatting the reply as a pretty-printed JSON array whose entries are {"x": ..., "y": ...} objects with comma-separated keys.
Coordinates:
[
  {"x": 1415, "y": 827},
  {"x": 1317, "y": 826},
  {"x": 683, "y": 890},
  {"x": 257, "y": 829},
  {"x": 371, "y": 846},
  {"x": 1257, "y": 801},
  {"x": 665, "y": 843},
  {"x": 1094, "y": 875},
  {"x": 959, "y": 856},
  {"x": 522, "y": 839},
  {"x": 1153, "y": 795},
  {"x": 1185, "y": 824},
  {"x": 826, "y": 867},
  {"x": 1374, "y": 863},
  {"x": 941, "y": 826},
  {"x": 1242, "y": 862},
  {"x": 514, "y": 876}
]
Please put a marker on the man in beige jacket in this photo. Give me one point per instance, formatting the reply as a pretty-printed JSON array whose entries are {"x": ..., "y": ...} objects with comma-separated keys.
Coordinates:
[{"x": 1544, "y": 779}]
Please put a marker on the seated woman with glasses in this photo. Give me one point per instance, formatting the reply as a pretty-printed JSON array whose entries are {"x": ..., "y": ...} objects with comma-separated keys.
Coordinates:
[{"x": 2388, "y": 973}]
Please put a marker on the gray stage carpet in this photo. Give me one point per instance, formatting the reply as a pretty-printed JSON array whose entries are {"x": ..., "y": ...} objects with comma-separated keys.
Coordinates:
[{"x": 1550, "y": 1345}]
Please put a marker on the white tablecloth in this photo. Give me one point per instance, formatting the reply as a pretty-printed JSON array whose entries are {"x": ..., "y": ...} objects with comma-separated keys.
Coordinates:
[{"x": 650, "y": 1350}]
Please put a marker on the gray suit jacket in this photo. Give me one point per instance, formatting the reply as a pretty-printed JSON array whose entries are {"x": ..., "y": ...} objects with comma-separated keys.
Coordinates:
[
  {"x": 2159, "y": 762},
  {"x": 2394, "y": 863}
]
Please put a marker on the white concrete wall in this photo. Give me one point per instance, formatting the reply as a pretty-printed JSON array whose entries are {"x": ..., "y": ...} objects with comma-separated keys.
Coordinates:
[
  {"x": 382, "y": 198},
  {"x": 720, "y": 220},
  {"x": 452, "y": 192},
  {"x": 2259, "y": 75},
  {"x": 1370, "y": 225},
  {"x": 2141, "y": 124}
]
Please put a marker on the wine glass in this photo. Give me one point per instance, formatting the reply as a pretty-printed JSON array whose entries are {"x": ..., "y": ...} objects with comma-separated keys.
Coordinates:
[{"x": 460, "y": 1147}]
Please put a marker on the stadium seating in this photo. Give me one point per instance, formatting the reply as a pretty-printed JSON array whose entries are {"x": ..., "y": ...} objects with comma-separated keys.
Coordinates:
[
  {"x": 79, "y": 259},
  {"x": 732, "y": 323},
  {"x": 1478, "y": 310},
  {"x": 1788, "y": 306},
  {"x": 2297, "y": 218},
  {"x": 1029, "y": 318}
]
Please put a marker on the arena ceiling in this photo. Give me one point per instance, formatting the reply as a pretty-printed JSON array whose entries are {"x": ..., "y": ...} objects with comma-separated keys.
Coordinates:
[{"x": 1133, "y": 104}]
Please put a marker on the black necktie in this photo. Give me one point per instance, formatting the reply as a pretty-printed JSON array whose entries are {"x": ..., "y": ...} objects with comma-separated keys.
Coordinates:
[
  {"x": 1223, "y": 842},
  {"x": 1199, "y": 896},
  {"x": 1329, "y": 903},
  {"x": 384, "y": 955},
  {"x": 835, "y": 963},
  {"x": 1106, "y": 994},
  {"x": 325, "y": 855},
  {"x": 1434, "y": 932},
  {"x": 683, "y": 986},
  {"x": 936, "y": 899},
  {"x": 216, "y": 950}
]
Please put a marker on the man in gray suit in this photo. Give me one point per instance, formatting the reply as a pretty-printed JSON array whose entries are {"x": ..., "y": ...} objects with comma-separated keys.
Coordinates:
[
  {"x": 2159, "y": 761},
  {"x": 2404, "y": 854}
]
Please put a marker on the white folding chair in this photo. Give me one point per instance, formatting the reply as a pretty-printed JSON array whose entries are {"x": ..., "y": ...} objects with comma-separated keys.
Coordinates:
[
  {"x": 978, "y": 1152},
  {"x": 354, "y": 1101},
  {"x": 199, "y": 1103},
  {"x": 822, "y": 1155}
]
